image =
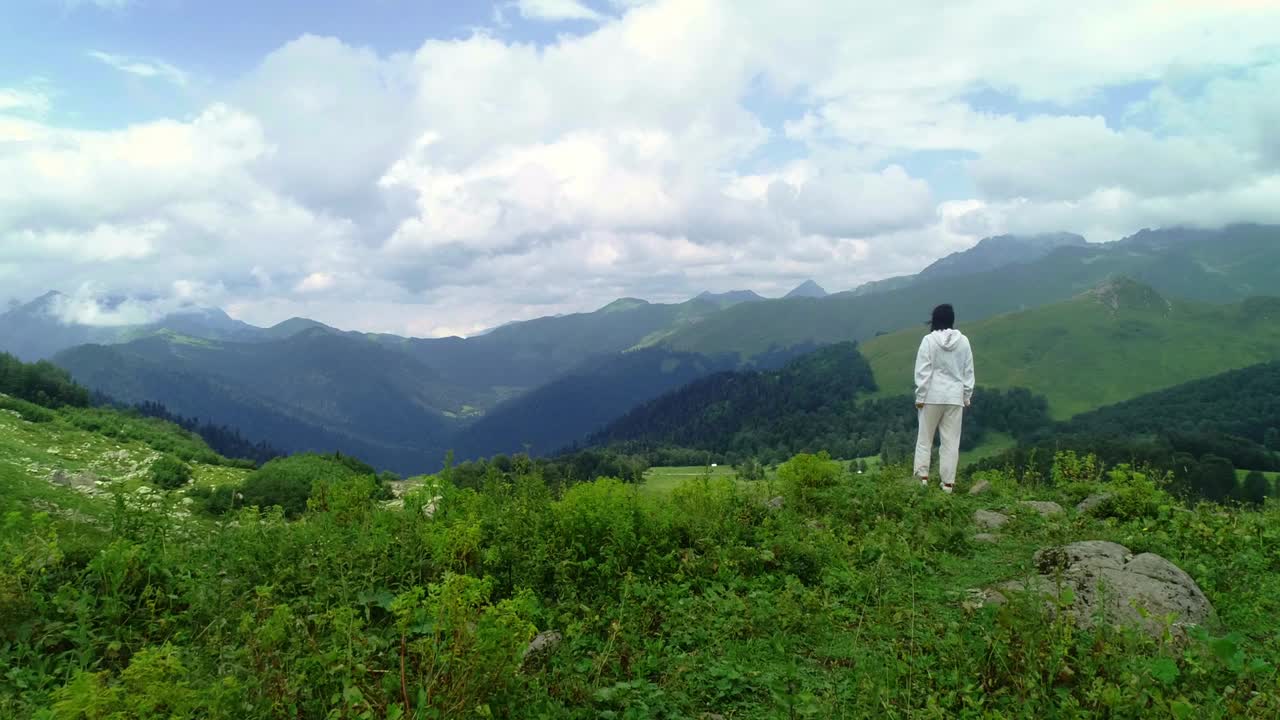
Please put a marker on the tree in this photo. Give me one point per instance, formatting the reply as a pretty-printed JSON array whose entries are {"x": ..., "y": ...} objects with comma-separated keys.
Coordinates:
[
  {"x": 1255, "y": 488},
  {"x": 750, "y": 470},
  {"x": 1214, "y": 478},
  {"x": 170, "y": 473}
]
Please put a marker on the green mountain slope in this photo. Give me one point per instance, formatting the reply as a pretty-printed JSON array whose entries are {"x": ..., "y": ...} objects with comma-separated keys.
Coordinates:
[
  {"x": 1225, "y": 265},
  {"x": 1113, "y": 343},
  {"x": 564, "y": 411},
  {"x": 313, "y": 391},
  {"x": 817, "y": 401},
  {"x": 1243, "y": 404}
]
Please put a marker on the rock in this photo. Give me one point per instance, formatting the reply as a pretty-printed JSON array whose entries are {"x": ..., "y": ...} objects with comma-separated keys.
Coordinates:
[
  {"x": 980, "y": 487},
  {"x": 429, "y": 510},
  {"x": 985, "y": 538},
  {"x": 989, "y": 520},
  {"x": 1109, "y": 582},
  {"x": 1044, "y": 507},
  {"x": 144, "y": 490},
  {"x": 542, "y": 644},
  {"x": 1088, "y": 504},
  {"x": 775, "y": 503}
]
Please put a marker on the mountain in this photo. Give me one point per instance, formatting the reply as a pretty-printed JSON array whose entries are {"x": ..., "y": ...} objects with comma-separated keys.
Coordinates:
[
  {"x": 1241, "y": 404},
  {"x": 807, "y": 289},
  {"x": 315, "y": 390},
  {"x": 39, "y": 329},
  {"x": 731, "y": 298},
  {"x": 817, "y": 401},
  {"x": 1000, "y": 251},
  {"x": 564, "y": 411},
  {"x": 292, "y": 326},
  {"x": 302, "y": 385},
  {"x": 1111, "y": 343},
  {"x": 1218, "y": 266}
]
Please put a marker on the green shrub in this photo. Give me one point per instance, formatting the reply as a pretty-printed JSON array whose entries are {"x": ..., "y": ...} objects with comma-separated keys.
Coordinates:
[
  {"x": 214, "y": 500},
  {"x": 290, "y": 482},
  {"x": 1134, "y": 494},
  {"x": 806, "y": 476},
  {"x": 170, "y": 473}
]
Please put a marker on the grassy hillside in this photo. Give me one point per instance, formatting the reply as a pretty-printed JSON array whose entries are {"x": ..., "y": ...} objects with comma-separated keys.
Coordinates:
[
  {"x": 1209, "y": 266},
  {"x": 1114, "y": 343},
  {"x": 852, "y": 598}
]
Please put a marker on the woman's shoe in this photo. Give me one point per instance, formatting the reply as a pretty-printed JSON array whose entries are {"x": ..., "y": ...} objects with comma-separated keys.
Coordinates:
[{"x": 948, "y": 489}]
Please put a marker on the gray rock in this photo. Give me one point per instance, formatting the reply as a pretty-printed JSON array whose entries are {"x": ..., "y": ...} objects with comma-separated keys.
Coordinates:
[
  {"x": 980, "y": 487},
  {"x": 542, "y": 644},
  {"x": 989, "y": 520},
  {"x": 1088, "y": 504},
  {"x": 775, "y": 503},
  {"x": 1110, "y": 583},
  {"x": 1044, "y": 507},
  {"x": 985, "y": 538}
]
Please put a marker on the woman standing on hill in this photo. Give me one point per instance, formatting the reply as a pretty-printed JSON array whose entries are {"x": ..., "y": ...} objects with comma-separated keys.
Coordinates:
[{"x": 944, "y": 387}]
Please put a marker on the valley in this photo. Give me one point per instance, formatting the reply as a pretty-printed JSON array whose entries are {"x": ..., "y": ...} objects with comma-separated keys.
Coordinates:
[{"x": 551, "y": 383}]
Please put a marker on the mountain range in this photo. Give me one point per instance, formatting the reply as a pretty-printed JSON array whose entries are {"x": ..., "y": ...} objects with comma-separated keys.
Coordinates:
[{"x": 401, "y": 402}]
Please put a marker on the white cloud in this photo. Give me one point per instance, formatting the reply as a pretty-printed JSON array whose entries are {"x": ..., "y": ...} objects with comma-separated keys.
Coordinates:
[
  {"x": 18, "y": 99},
  {"x": 1066, "y": 157},
  {"x": 672, "y": 146},
  {"x": 316, "y": 282},
  {"x": 556, "y": 10},
  {"x": 93, "y": 304},
  {"x": 157, "y": 69},
  {"x": 101, "y": 243}
]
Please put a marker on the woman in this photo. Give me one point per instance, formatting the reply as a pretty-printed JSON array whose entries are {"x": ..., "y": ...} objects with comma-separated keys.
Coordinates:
[{"x": 944, "y": 387}]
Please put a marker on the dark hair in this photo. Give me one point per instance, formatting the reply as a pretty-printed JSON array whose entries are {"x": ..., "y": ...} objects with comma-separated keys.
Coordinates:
[{"x": 944, "y": 318}]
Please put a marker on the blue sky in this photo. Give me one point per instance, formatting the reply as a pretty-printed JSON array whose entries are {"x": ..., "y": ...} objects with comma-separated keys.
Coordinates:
[{"x": 431, "y": 168}]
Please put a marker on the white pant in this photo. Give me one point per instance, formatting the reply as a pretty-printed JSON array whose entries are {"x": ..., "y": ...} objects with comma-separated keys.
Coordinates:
[{"x": 933, "y": 418}]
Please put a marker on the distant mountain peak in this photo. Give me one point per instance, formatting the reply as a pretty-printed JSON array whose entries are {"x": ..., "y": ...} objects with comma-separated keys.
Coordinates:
[
  {"x": 727, "y": 299},
  {"x": 622, "y": 304},
  {"x": 1124, "y": 293},
  {"x": 1001, "y": 250},
  {"x": 808, "y": 289},
  {"x": 42, "y": 304}
]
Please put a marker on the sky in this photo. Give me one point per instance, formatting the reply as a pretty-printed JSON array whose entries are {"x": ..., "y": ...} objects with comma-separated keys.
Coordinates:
[{"x": 431, "y": 167}]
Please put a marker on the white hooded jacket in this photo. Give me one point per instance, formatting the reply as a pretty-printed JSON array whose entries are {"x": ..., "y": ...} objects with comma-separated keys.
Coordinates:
[{"x": 944, "y": 369}]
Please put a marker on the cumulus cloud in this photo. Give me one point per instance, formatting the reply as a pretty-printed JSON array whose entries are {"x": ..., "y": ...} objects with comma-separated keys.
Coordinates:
[
  {"x": 555, "y": 10},
  {"x": 157, "y": 69},
  {"x": 671, "y": 147}
]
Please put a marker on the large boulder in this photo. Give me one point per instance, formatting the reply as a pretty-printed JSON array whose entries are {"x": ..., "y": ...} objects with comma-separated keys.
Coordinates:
[
  {"x": 1089, "y": 504},
  {"x": 1046, "y": 508},
  {"x": 544, "y": 643},
  {"x": 1111, "y": 584},
  {"x": 989, "y": 519}
]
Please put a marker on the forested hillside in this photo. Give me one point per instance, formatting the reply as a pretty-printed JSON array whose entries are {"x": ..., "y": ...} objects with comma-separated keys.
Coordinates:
[
  {"x": 566, "y": 410},
  {"x": 818, "y": 401},
  {"x": 1114, "y": 342}
]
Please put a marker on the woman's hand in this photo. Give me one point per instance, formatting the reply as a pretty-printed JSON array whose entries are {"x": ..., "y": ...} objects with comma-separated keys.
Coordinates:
[{"x": 919, "y": 406}]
